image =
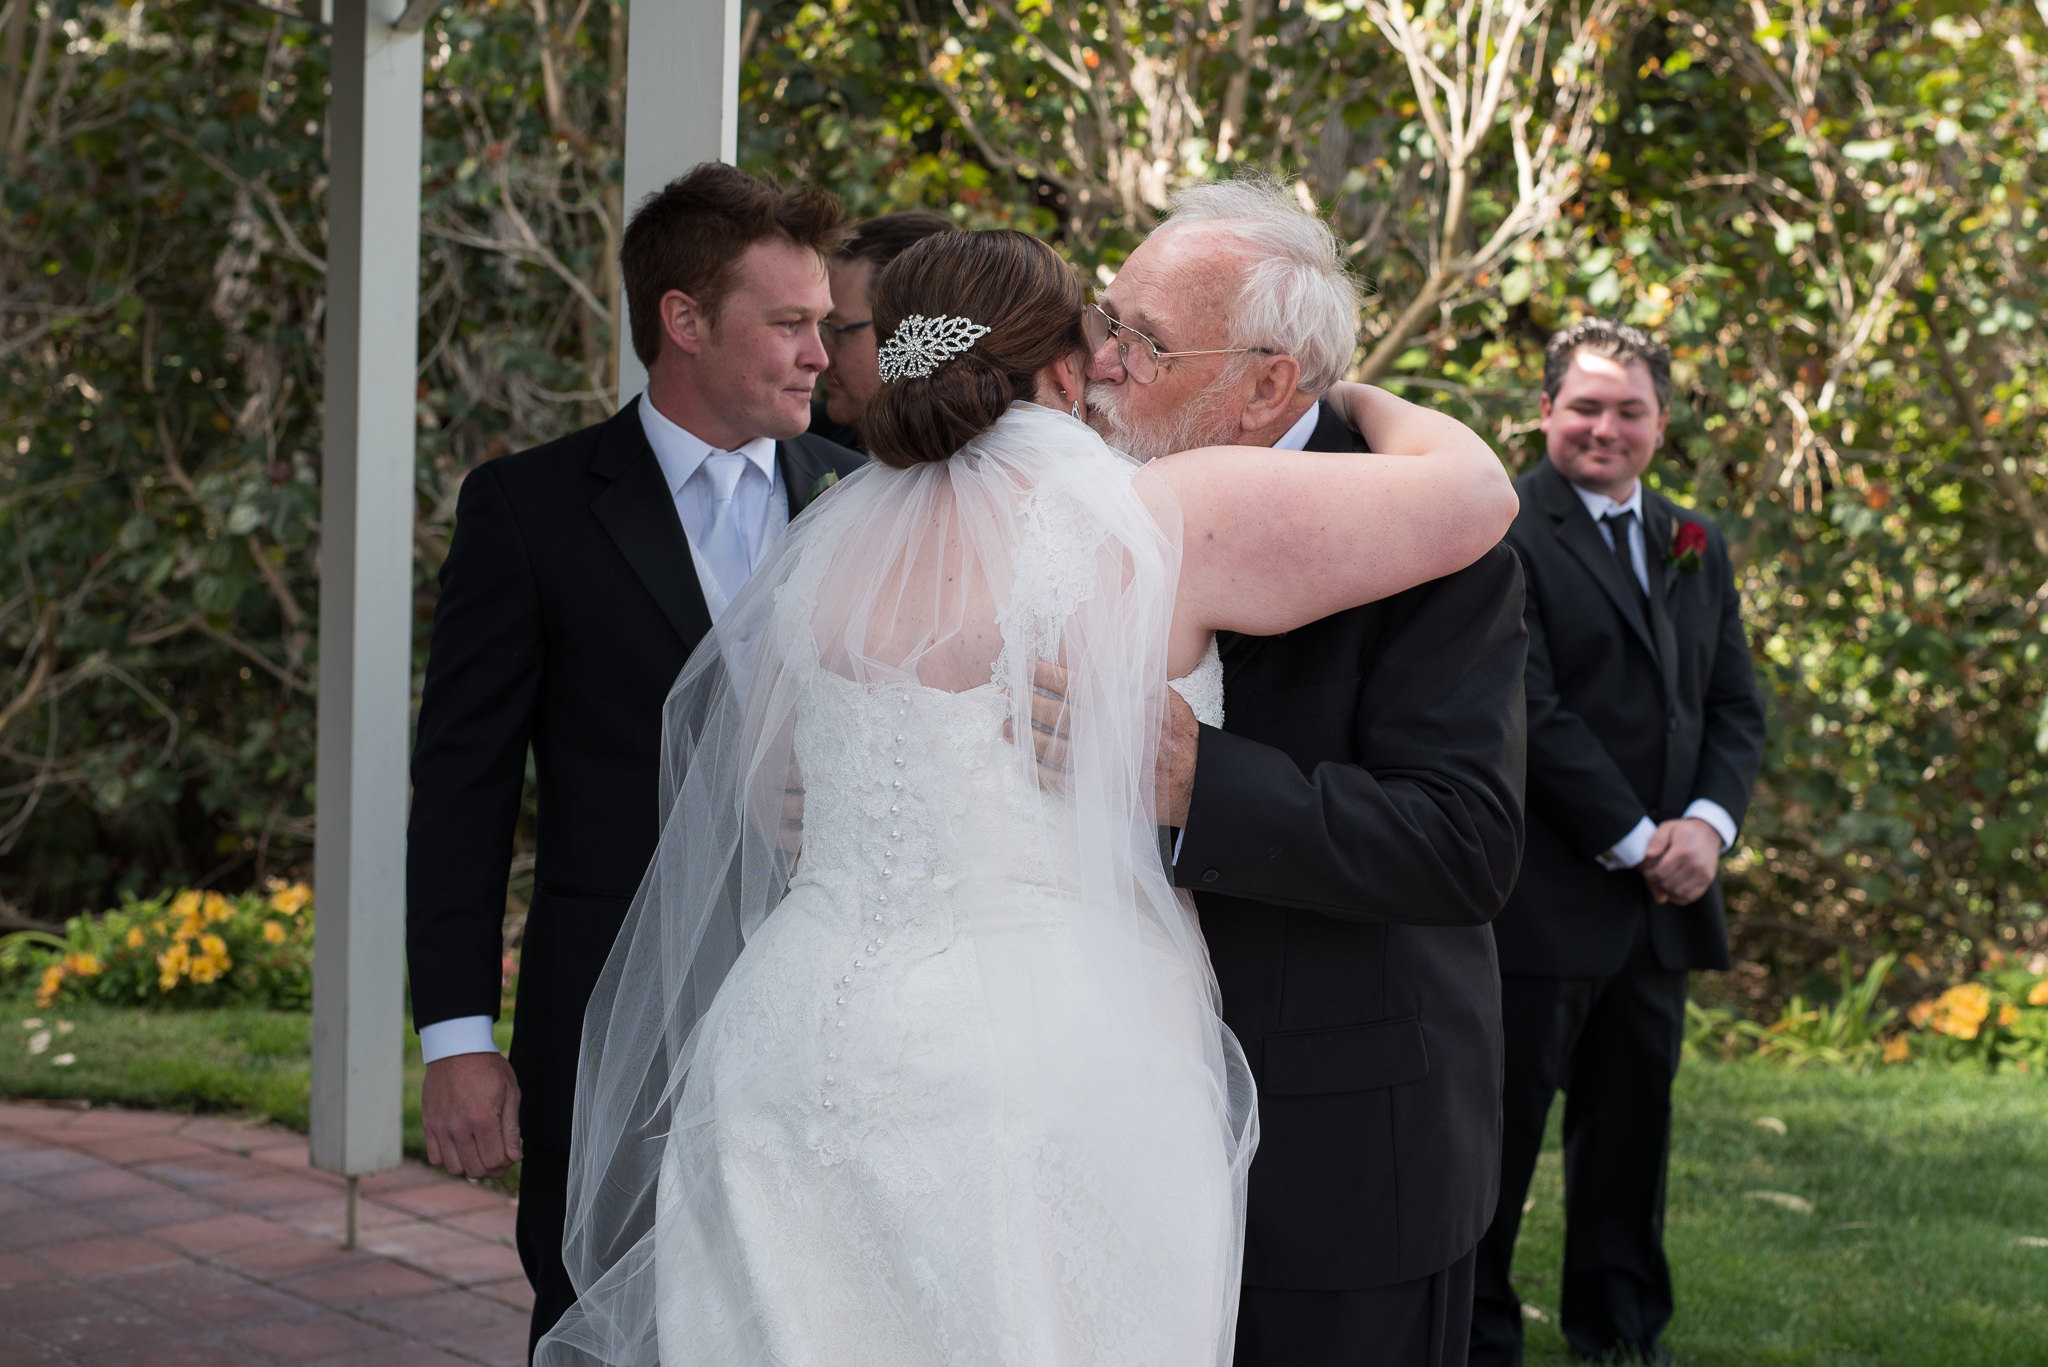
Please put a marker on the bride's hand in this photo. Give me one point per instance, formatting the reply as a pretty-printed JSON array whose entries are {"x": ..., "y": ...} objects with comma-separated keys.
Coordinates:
[{"x": 1049, "y": 736}]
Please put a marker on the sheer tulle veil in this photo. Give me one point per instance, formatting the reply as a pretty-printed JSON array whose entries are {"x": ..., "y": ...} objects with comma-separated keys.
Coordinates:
[{"x": 1034, "y": 542}]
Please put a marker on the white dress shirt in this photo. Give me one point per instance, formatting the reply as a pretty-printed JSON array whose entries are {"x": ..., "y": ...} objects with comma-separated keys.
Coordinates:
[
  {"x": 1629, "y": 851},
  {"x": 758, "y": 508}
]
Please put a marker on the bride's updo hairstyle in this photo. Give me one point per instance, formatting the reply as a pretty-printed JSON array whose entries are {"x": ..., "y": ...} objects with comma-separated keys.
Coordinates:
[{"x": 1008, "y": 282}]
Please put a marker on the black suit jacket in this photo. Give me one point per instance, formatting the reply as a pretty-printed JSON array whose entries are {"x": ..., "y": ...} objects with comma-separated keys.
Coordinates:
[
  {"x": 1355, "y": 825},
  {"x": 1635, "y": 709},
  {"x": 569, "y": 603}
]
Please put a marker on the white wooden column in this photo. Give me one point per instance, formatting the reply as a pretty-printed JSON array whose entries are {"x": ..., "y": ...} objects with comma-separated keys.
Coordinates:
[
  {"x": 366, "y": 512},
  {"x": 682, "y": 108}
]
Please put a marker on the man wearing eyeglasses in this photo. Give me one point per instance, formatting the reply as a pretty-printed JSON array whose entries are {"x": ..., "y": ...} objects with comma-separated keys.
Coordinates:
[
  {"x": 1349, "y": 831},
  {"x": 851, "y": 376}
]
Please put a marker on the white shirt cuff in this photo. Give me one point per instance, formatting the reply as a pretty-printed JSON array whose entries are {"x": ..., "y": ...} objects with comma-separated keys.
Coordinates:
[
  {"x": 1715, "y": 815},
  {"x": 1178, "y": 837},
  {"x": 462, "y": 1035},
  {"x": 1630, "y": 849}
]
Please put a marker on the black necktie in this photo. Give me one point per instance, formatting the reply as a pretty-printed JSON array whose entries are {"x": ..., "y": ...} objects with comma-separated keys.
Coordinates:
[{"x": 1618, "y": 524}]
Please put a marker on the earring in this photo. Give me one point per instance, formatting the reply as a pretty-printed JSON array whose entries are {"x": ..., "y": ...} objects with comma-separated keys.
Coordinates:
[{"x": 1074, "y": 410}]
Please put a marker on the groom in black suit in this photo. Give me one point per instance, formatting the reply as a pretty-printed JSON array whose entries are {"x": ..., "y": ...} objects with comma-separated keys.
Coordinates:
[
  {"x": 1347, "y": 834},
  {"x": 581, "y": 576},
  {"x": 1645, "y": 732}
]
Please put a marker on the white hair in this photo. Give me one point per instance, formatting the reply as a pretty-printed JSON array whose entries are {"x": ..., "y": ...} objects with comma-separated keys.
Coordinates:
[{"x": 1296, "y": 297}]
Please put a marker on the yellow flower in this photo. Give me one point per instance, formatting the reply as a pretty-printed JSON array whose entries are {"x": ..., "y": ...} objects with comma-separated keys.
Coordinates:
[
  {"x": 1919, "y": 1015},
  {"x": 291, "y": 900},
  {"x": 2038, "y": 994},
  {"x": 190, "y": 928},
  {"x": 135, "y": 937},
  {"x": 213, "y": 947},
  {"x": 82, "y": 965},
  {"x": 273, "y": 933},
  {"x": 53, "y": 980},
  {"x": 1897, "y": 1049},
  {"x": 185, "y": 904},
  {"x": 218, "y": 908},
  {"x": 172, "y": 965},
  {"x": 204, "y": 970},
  {"x": 1961, "y": 1010},
  {"x": 2008, "y": 1013}
]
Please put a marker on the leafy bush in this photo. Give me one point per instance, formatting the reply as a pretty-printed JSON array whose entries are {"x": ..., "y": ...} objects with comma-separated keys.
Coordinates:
[
  {"x": 191, "y": 949},
  {"x": 1999, "y": 1016}
]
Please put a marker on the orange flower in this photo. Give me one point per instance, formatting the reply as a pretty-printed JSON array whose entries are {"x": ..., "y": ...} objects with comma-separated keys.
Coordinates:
[
  {"x": 1897, "y": 1049},
  {"x": 1920, "y": 1014},
  {"x": 53, "y": 982},
  {"x": 273, "y": 933},
  {"x": 1961, "y": 1010},
  {"x": 217, "y": 908},
  {"x": 82, "y": 965},
  {"x": 2008, "y": 1014},
  {"x": 2038, "y": 994},
  {"x": 290, "y": 900},
  {"x": 134, "y": 937}
]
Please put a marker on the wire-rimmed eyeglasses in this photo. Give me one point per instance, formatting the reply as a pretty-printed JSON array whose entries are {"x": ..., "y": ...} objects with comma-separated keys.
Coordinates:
[{"x": 1140, "y": 363}]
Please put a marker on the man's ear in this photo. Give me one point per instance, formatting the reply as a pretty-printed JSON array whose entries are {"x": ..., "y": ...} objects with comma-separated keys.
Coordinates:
[
  {"x": 683, "y": 323},
  {"x": 1274, "y": 387},
  {"x": 1542, "y": 412}
]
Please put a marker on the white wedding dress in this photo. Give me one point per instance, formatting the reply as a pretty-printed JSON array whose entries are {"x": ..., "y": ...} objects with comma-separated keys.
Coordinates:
[{"x": 962, "y": 1098}]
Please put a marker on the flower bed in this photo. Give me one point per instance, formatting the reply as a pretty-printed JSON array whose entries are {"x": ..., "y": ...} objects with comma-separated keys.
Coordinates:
[
  {"x": 1997, "y": 1018},
  {"x": 186, "y": 948}
]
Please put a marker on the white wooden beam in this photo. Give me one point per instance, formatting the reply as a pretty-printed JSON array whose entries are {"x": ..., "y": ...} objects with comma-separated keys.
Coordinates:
[
  {"x": 682, "y": 108},
  {"x": 366, "y": 522}
]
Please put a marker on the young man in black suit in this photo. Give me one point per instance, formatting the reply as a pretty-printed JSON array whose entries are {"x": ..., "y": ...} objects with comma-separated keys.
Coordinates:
[
  {"x": 581, "y": 576},
  {"x": 1645, "y": 733},
  {"x": 1347, "y": 834}
]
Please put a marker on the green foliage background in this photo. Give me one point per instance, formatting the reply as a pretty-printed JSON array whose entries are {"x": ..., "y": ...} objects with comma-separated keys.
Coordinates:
[{"x": 1829, "y": 208}]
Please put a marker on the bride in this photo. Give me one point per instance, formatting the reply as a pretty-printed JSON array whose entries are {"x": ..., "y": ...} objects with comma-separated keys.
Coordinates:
[{"x": 909, "y": 1053}]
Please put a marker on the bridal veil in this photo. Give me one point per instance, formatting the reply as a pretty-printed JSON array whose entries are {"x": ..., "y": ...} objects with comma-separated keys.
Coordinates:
[{"x": 897, "y": 624}]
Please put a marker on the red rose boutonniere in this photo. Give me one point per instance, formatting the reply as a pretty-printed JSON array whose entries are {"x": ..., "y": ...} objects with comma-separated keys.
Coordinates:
[{"x": 1688, "y": 539}]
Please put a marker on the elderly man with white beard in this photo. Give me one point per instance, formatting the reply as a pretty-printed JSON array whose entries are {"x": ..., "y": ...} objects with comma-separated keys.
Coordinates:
[{"x": 1349, "y": 831}]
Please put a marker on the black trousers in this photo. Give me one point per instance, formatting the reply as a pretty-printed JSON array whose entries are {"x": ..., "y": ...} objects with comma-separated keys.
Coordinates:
[
  {"x": 1613, "y": 1045},
  {"x": 543, "y": 1210},
  {"x": 1422, "y": 1323}
]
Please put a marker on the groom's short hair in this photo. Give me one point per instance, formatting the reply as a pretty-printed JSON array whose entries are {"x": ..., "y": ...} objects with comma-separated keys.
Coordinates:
[
  {"x": 690, "y": 235},
  {"x": 1296, "y": 297}
]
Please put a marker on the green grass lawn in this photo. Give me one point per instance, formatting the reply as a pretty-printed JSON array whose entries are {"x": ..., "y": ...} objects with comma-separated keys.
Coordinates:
[
  {"x": 242, "y": 1060},
  {"x": 1923, "y": 1184}
]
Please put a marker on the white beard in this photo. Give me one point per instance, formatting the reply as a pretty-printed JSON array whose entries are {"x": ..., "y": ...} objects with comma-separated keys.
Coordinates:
[{"x": 1203, "y": 422}]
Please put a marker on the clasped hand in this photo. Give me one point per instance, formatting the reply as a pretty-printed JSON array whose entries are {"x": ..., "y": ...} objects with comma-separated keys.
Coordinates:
[{"x": 1681, "y": 860}]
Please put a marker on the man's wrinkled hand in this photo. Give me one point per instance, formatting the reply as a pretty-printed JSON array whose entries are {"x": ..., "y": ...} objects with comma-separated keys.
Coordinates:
[
  {"x": 1681, "y": 860},
  {"x": 469, "y": 1107},
  {"x": 1180, "y": 736},
  {"x": 1049, "y": 732}
]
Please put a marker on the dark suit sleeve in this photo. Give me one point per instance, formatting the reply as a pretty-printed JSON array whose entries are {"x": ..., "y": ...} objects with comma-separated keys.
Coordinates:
[
  {"x": 1731, "y": 750},
  {"x": 469, "y": 761},
  {"x": 1573, "y": 781},
  {"x": 1426, "y": 828}
]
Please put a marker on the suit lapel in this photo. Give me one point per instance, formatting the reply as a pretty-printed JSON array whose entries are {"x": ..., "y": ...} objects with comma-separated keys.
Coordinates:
[
  {"x": 801, "y": 471},
  {"x": 1330, "y": 434},
  {"x": 1573, "y": 526},
  {"x": 639, "y": 513}
]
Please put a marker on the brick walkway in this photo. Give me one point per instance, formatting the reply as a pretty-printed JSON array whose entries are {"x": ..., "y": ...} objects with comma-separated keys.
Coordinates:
[{"x": 131, "y": 1237}]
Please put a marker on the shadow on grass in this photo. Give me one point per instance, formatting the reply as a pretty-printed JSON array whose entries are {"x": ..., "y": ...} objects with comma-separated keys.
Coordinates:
[{"x": 1924, "y": 1185}]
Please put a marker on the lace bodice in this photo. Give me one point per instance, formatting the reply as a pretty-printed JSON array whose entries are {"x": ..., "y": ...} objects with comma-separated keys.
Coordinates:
[{"x": 1202, "y": 686}]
